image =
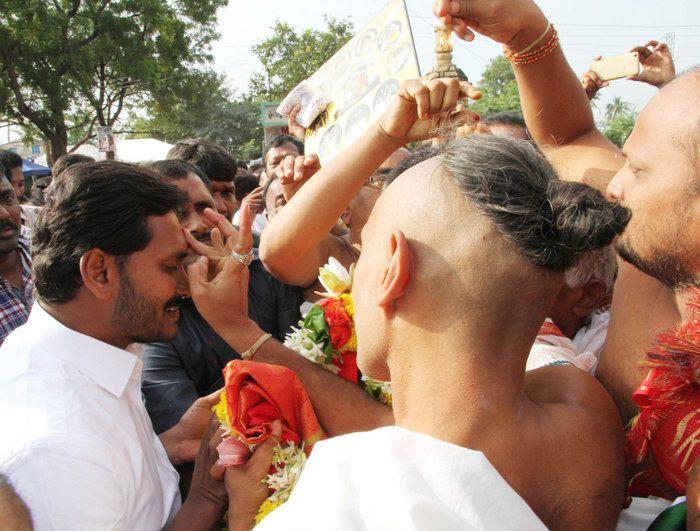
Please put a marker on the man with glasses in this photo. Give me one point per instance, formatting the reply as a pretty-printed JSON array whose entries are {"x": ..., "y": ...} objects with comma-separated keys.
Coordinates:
[{"x": 15, "y": 263}]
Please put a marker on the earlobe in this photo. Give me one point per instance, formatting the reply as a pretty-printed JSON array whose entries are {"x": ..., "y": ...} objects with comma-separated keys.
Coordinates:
[
  {"x": 98, "y": 273},
  {"x": 591, "y": 299},
  {"x": 397, "y": 273}
]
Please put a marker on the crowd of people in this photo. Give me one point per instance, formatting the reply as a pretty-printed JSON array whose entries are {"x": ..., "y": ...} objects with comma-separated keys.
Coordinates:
[{"x": 529, "y": 290}]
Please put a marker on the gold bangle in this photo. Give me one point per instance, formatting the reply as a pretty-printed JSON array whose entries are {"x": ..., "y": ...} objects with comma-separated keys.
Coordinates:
[
  {"x": 549, "y": 25},
  {"x": 252, "y": 350}
]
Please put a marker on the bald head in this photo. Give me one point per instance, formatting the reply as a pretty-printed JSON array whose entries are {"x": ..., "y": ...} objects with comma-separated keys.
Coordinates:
[
  {"x": 660, "y": 183},
  {"x": 487, "y": 239}
]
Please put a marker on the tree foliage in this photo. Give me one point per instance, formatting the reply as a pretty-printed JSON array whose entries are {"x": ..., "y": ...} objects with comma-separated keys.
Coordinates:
[
  {"x": 210, "y": 111},
  {"x": 69, "y": 65},
  {"x": 619, "y": 122},
  {"x": 289, "y": 57},
  {"x": 498, "y": 87}
]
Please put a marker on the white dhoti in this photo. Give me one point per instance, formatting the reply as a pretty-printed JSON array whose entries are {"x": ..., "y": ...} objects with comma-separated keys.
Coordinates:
[{"x": 392, "y": 478}]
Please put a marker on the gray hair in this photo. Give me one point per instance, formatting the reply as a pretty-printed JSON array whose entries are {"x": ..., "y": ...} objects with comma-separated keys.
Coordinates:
[
  {"x": 596, "y": 265},
  {"x": 554, "y": 223}
]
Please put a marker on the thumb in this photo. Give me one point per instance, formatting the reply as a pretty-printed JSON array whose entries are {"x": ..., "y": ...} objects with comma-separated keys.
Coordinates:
[
  {"x": 197, "y": 275},
  {"x": 261, "y": 459}
]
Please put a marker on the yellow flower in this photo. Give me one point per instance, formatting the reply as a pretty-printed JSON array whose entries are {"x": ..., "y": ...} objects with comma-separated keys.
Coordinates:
[
  {"x": 266, "y": 508},
  {"x": 221, "y": 412},
  {"x": 347, "y": 301}
]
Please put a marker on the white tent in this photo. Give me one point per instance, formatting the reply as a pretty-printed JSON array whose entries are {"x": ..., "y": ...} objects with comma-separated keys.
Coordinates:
[
  {"x": 142, "y": 149},
  {"x": 128, "y": 150}
]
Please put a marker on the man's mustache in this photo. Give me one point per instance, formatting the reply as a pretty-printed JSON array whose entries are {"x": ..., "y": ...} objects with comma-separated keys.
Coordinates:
[
  {"x": 175, "y": 302},
  {"x": 8, "y": 224}
]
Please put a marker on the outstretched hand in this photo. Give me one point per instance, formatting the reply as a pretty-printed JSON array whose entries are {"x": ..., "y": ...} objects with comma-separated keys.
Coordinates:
[
  {"x": 515, "y": 23},
  {"x": 657, "y": 64},
  {"x": 293, "y": 172},
  {"x": 218, "y": 281},
  {"x": 422, "y": 110}
]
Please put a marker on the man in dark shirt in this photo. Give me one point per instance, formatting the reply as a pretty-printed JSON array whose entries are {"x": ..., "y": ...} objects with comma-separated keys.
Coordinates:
[
  {"x": 15, "y": 263},
  {"x": 177, "y": 372}
]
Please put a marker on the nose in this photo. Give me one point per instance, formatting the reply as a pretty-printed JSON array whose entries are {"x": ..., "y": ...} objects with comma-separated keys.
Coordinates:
[
  {"x": 219, "y": 204},
  {"x": 197, "y": 224},
  {"x": 4, "y": 214},
  {"x": 615, "y": 191}
]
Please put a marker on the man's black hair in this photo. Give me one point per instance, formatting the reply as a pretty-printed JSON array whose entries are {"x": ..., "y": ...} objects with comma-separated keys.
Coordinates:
[
  {"x": 244, "y": 184},
  {"x": 424, "y": 153},
  {"x": 211, "y": 159},
  {"x": 66, "y": 161},
  {"x": 9, "y": 159},
  {"x": 103, "y": 205},
  {"x": 242, "y": 164},
  {"x": 506, "y": 118},
  {"x": 280, "y": 140},
  {"x": 174, "y": 170}
]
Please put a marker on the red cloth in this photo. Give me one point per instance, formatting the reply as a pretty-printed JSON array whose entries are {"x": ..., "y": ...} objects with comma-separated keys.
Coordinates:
[
  {"x": 257, "y": 394},
  {"x": 668, "y": 425}
]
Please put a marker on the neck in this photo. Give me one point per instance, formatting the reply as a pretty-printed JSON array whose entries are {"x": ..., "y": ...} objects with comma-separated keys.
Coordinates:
[
  {"x": 452, "y": 384},
  {"x": 86, "y": 318},
  {"x": 683, "y": 298}
]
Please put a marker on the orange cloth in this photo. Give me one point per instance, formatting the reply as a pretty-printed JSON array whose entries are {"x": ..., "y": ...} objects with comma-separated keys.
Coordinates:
[
  {"x": 668, "y": 425},
  {"x": 257, "y": 394}
]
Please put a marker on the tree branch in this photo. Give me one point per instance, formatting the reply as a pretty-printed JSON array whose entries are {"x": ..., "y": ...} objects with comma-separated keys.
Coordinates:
[
  {"x": 22, "y": 105},
  {"x": 87, "y": 137}
]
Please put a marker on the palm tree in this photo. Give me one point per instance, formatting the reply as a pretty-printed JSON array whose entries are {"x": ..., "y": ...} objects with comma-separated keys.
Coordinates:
[{"x": 616, "y": 107}]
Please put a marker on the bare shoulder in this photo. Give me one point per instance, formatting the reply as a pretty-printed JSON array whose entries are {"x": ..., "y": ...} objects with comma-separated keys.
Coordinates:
[
  {"x": 591, "y": 159},
  {"x": 586, "y": 439}
]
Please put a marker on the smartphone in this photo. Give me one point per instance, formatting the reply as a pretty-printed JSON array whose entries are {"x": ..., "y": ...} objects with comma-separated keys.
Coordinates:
[{"x": 616, "y": 67}]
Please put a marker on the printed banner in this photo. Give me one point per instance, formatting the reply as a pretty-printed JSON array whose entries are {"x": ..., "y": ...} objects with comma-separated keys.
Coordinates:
[{"x": 361, "y": 78}]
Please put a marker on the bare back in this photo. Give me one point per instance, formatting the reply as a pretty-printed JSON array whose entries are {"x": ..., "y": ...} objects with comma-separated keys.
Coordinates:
[{"x": 565, "y": 453}]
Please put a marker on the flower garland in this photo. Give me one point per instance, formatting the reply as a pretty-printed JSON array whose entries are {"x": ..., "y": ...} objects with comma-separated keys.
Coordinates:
[{"x": 326, "y": 336}]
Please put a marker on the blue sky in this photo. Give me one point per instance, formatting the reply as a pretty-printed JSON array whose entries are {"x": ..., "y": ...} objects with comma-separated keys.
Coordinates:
[{"x": 608, "y": 27}]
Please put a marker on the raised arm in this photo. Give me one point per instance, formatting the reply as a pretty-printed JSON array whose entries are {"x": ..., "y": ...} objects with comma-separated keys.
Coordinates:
[
  {"x": 297, "y": 241},
  {"x": 555, "y": 106}
]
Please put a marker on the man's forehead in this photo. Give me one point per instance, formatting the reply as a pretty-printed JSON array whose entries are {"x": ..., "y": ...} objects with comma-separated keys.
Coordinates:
[
  {"x": 166, "y": 236},
  {"x": 220, "y": 186},
  {"x": 284, "y": 149},
  {"x": 5, "y": 184},
  {"x": 666, "y": 119},
  {"x": 193, "y": 186}
]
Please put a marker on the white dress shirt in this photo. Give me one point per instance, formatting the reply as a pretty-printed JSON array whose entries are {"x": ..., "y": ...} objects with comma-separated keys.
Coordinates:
[{"x": 76, "y": 441}]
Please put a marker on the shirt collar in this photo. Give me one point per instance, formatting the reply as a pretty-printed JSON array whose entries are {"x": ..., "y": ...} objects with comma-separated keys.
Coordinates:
[{"x": 109, "y": 367}]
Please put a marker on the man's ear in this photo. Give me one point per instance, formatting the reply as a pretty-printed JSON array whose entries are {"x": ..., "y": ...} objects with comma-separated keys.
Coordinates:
[
  {"x": 397, "y": 273},
  {"x": 100, "y": 273},
  {"x": 592, "y": 297}
]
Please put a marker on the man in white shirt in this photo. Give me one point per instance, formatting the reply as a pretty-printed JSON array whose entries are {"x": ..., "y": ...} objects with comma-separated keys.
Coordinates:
[{"x": 77, "y": 443}]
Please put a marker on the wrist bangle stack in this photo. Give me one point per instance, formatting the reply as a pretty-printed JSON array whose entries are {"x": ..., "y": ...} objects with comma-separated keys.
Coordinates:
[
  {"x": 252, "y": 350},
  {"x": 530, "y": 55}
]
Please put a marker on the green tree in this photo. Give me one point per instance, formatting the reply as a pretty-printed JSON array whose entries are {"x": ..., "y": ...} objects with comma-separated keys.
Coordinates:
[
  {"x": 617, "y": 107},
  {"x": 289, "y": 57},
  {"x": 210, "y": 111},
  {"x": 498, "y": 87},
  {"x": 619, "y": 127},
  {"x": 67, "y": 66}
]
